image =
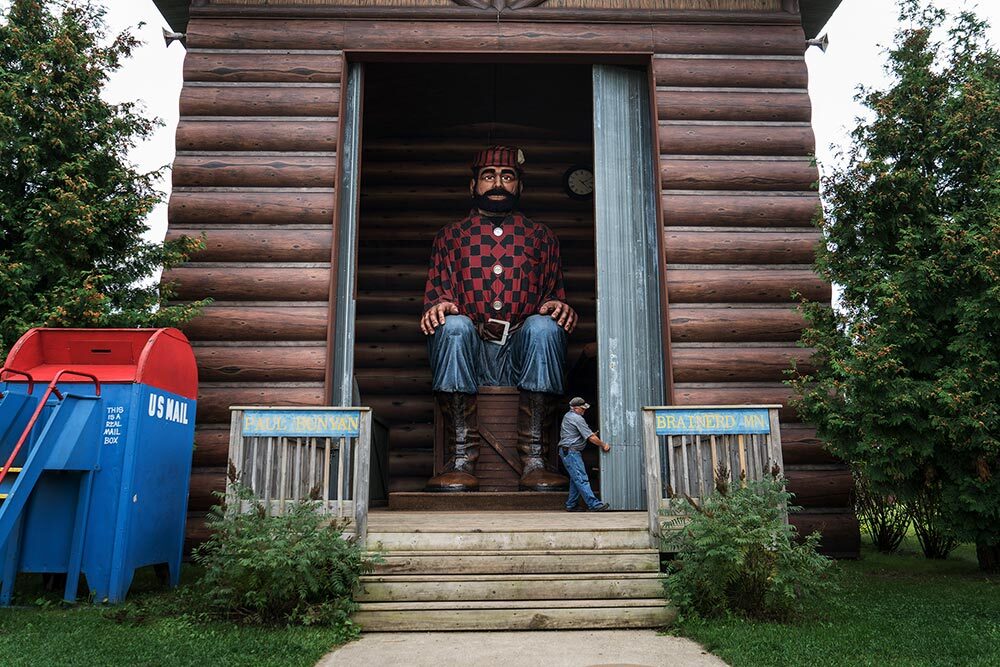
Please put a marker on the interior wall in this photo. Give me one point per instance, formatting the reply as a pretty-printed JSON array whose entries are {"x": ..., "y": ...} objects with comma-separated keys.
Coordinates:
[{"x": 423, "y": 123}]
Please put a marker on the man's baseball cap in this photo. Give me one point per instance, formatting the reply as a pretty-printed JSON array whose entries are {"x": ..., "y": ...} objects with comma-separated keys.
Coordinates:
[
  {"x": 499, "y": 156},
  {"x": 578, "y": 403}
]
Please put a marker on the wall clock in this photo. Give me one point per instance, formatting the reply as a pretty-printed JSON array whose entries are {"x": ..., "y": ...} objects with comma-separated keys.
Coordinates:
[{"x": 578, "y": 182}]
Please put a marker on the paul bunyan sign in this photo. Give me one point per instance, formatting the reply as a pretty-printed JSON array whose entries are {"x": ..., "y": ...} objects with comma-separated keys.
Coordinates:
[
  {"x": 712, "y": 421},
  {"x": 301, "y": 423}
]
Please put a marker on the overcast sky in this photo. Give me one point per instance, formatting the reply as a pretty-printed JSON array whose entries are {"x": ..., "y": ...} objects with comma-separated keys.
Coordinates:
[{"x": 858, "y": 31}]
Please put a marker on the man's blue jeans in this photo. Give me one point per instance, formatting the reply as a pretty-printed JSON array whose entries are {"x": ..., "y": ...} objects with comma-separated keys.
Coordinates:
[
  {"x": 532, "y": 359},
  {"x": 579, "y": 483}
]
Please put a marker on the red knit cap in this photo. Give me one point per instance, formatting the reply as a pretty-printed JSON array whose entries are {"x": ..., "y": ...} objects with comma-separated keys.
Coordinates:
[{"x": 499, "y": 156}]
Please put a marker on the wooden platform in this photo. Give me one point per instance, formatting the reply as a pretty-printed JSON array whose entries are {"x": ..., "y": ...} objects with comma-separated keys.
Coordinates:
[
  {"x": 511, "y": 571},
  {"x": 478, "y": 501}
]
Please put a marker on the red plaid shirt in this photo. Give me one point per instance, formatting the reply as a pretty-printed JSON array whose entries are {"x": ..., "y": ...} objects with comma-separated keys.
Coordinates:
[{"x": 506, "y": 277}]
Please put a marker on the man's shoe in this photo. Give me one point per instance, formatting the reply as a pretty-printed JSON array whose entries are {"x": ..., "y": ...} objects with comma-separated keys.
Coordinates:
[
  {"x": 600, "y": 507},
  {"x": 576, "y": 508}
]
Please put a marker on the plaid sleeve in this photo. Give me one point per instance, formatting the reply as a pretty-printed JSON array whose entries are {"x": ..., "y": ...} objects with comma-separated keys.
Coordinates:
[
  {"x": 439, "y": 285},
  {"x": 552, "y": 277}
]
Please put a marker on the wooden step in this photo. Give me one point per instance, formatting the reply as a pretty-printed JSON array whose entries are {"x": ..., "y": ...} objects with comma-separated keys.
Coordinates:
[
  {"x": 520, "y": 562},
  {"x": 410, "y": 501},
  {"x": 508, "y": 540},
  {"x": 502, "y": 615},
  {"x": 423, "y": 588}
]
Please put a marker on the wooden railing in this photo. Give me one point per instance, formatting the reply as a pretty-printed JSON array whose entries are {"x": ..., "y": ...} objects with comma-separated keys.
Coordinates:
[
  {"x": 686, "y": 447},
  {"x": 286, "y": 454}
]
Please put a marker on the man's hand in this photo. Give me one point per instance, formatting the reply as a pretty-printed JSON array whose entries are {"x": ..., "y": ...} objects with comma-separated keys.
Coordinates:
[
  {"x": 606, "y": 448},
  {"x": 434, "y": 317},
  {"x": 561, "y": 313}
]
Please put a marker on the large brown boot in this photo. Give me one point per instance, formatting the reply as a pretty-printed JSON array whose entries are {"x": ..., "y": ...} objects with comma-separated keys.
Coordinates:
[
  {"x": 534, "y": 421},
  {"x": 461, "y": 444}
]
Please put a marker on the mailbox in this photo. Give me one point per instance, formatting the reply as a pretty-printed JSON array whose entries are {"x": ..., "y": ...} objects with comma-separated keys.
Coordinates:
[{"x": 96, "y": 437}]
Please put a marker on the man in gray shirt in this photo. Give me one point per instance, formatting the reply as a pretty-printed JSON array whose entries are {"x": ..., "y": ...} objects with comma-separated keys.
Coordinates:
[{"x": 573, "y": 437}]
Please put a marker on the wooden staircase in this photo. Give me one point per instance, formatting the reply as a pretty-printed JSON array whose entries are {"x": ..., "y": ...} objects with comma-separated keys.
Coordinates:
[{"x": 511, "y": 571}]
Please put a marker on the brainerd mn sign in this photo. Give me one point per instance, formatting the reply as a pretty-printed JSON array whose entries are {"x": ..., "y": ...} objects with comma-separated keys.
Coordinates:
[
  {"x": 712, "y": 421},
  {"x": 302, "y": 423}
]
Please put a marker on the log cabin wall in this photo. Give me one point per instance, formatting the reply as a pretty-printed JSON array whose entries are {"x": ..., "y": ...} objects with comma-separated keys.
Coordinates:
[{"x": 256, "y": 164}]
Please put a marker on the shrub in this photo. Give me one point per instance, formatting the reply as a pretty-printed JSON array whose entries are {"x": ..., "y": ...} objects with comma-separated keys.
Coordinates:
[
  {"x": 736, "y": 555},
  {"x": 932, "y": 529},
  {"x": 294, "y": 568},
  {"x": 884, "y": 516}
]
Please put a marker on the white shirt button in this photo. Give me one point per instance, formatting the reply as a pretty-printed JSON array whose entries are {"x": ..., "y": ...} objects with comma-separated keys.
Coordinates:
[
  {"x": 497, "y": 305},
  {"x": 497, "y": 269},
  {"x": 498, "y": 231}
]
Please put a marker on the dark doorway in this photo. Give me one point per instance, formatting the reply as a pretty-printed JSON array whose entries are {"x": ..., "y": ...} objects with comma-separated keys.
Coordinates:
[{"x": 422, "y": 124}]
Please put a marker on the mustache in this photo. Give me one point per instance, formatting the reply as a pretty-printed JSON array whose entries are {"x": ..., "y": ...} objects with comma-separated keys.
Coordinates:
[{"x": 497, "y": 191}]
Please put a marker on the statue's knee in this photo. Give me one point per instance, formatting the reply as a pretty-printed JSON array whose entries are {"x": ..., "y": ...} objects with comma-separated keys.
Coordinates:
[
  {"x": 457, "y": 325},
  {"x": 542, "y": 326}
]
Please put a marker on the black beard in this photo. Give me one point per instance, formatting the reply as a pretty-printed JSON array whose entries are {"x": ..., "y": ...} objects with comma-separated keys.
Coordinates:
[{"x": 505, "y": 205}]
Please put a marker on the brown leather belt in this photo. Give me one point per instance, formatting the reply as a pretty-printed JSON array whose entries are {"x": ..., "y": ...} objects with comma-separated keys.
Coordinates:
[{"x": 496, "y": 331}]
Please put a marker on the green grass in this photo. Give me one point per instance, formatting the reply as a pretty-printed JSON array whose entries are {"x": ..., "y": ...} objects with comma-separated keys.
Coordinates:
[
  {"x": 900, "y": 610},
  {"x": 145, "y": 634}
]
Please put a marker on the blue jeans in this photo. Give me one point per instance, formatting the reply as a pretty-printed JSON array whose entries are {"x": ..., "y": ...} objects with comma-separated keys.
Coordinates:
[
  {"x": 532, "y": 359},
  {"x": 579, "y": 483}
]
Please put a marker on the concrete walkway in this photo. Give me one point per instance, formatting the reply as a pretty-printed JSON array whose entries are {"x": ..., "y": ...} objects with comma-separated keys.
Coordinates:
[{"x": 553, "y": 648}]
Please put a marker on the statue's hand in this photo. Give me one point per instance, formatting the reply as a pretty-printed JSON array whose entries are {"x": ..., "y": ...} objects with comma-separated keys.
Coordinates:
[
  {"x": 561, "y": 313},
  {"x": 434, "y": 317}
]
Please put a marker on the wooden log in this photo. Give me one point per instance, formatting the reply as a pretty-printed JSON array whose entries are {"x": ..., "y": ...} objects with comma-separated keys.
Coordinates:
[
  {"x": 450, "y": 199},
  {"x": 573, "y": 37},
  {"x": 259, "y": 244},
  {"x": 410, "y": 436},
  {"x": 458, "y": 149},
  {"x": 736, "y": 393},
  {"x": 405, "y": 484},
  {"x": 255, "y": 322},
  {"x": 211, "y": 446},
  {"x": 726, "y": 245},
  {"x": 409, "y": 303},
  {"x": 723, "y": 325},
  {"x": 259, "y": 100},
  {"x": 262, "y": 67},
  {"x": 735, "y": 364},
  {"x": 195, "y": 532},
  {"x": 205, "y": 482},
  {"x": 248, "y": 206},
  {"x": 230, "y": 33},
  {"x": 679, "y": 138},
  {"x": 395, "y": 225},
  {"x": 722, "y": 39},
  {"x": 411, "y": 463},
  {"x": 386, "y": 381},
  {"x": 801, "y": 446},
  {"x": 674, "y": 104},
  {"x": 744, "y": 285},
  {"x": 282, "y": 363},
  {"x": 391, "y": 355},
  {"x": 739, "y": 210},
  {"x": 730, "y": 72},
  {"x": 722, "y": 174},
  {"x": 840, "y": 530},
  {"x": 402, "y": 408},
  {"x": 820, "y": 486},
  {"x": 248, "y": 171},
  {"x": 194, "y": 281},
  {"x": 414, "y": 277},
  {"x": 379, "y": 328},
  {"x": 257, "y": 135},
  {"x": 215, "y": 399},
  {"x": 433, "y": 168}
]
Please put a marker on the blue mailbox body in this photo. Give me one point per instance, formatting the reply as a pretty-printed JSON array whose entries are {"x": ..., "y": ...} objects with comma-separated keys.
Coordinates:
[{"x": 99, "y": 486}]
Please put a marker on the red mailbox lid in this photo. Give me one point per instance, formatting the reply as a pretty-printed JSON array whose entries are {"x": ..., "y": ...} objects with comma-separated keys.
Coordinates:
[{"x": 161, "y": 358}]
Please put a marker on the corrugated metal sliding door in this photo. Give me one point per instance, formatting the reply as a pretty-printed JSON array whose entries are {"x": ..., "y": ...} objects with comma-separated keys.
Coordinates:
[
  {"x": 346, "y": 241},
  {"x": 629, "y": 322}
]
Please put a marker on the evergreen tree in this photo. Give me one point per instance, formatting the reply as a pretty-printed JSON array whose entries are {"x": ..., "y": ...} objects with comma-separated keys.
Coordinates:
[
  {"x": 72, "y": 206},
  {"x": 908, "y": 377}
]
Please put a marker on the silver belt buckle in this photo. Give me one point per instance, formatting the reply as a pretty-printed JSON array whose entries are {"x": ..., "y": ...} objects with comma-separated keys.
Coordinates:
[{"x": 506, "y": 331}]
